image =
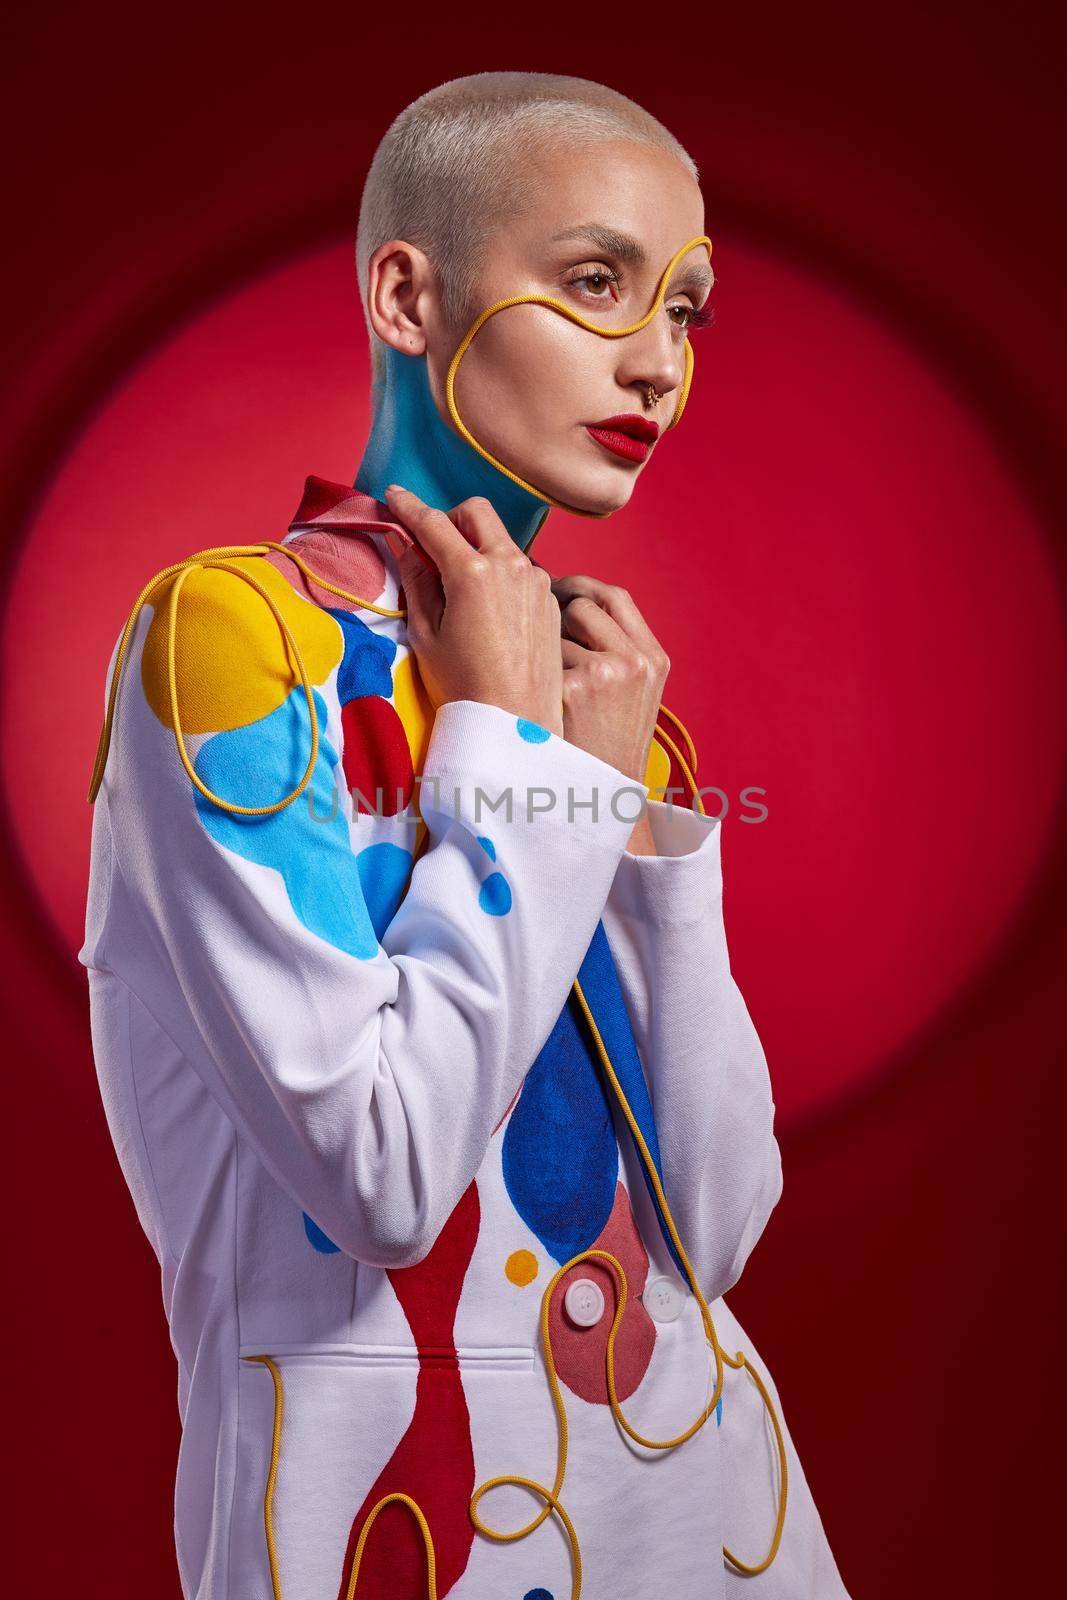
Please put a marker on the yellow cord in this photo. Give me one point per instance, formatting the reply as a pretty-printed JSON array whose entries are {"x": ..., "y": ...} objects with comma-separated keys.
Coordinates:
[
  {"x": 201, "y": 561},
  {"x": 272, "y": 1475},
  {"x": 583, "y": 322},
  {"x": 705, "y": 1313},
  {"x": 661, "y": 734},
  {"x": 424, "y": 1529},
  {"x": 680, "y": 725},
  {"x": 551, "y": 1496},
  {"x": 220, "y": 557}
]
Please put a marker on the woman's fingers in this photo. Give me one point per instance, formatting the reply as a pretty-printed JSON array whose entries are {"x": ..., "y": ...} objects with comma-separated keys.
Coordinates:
[
  {"x": 423, "y": 596},
  {"x": 586, "y": 622},
  {"x": 488, "y": 626},
  {"x": 616, "y": 602},
  {"x": 434, "y": 530},
  {"x": 480, "y": 525}
]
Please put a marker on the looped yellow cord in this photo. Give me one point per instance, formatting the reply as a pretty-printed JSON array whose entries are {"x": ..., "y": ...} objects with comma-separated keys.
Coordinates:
[
  {"x": 172, "y": 677},
  {"x": 740, "y": 1360},
  {"x": 684, "y": 731},
  {"x": 552, "y": 1503},
  {"x": 664, "y": 740},
  {"x": 221, "y": 557},
  {"x": 424, "y": 1529},
  {"x": 357, "y": 1558},
  {"x": 583, "y": 322}
]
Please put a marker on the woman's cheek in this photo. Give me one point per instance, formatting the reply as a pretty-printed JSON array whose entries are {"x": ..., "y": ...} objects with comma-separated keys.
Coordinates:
[{"x": 514, "y": 401}]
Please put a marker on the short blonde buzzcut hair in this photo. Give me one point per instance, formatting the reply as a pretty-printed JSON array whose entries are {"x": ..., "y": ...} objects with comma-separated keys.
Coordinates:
[{"x": 451, "y": 163}]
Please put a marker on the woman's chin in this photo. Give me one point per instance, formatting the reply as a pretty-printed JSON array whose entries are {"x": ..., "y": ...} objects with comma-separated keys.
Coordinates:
[{"x": 597, "y": 492}]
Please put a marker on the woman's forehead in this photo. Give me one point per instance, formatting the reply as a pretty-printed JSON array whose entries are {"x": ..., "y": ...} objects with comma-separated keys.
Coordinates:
[{"x": 633, "y": 202}]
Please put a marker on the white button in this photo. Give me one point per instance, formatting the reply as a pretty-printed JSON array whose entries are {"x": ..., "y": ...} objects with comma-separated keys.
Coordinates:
[
  {"x": 584, "y": 1302},
  {"x": 663, "y": 1299}
]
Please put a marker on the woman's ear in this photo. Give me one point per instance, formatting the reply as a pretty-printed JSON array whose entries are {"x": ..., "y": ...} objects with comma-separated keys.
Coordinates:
[{"x": 401, "y": 293}]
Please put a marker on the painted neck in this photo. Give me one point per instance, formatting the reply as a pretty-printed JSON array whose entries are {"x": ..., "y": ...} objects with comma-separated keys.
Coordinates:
[{"x": 411, "y": 444}]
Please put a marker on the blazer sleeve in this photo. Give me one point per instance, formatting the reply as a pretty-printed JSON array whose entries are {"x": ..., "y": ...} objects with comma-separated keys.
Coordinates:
[
  {"x": 708, "y": 1076},
  {"x": 365, "y": 1041}
]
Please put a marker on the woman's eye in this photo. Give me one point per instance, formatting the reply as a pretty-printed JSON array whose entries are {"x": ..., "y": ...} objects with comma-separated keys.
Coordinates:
[
  {"x": 691, "y": 317},
  {"x": 599, "y": 284}
]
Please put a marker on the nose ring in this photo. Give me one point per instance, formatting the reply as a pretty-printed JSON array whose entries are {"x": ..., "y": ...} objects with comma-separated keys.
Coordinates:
[{"x": 651, "y": 397}]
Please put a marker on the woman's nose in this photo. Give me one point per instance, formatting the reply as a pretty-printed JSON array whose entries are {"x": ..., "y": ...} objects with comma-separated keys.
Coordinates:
[{"x": 653, "y": 355}]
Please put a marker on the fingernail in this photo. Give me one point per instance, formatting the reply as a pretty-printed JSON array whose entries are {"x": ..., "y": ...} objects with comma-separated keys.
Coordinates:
[
  {"x": 391, "y": 486},
  {"x": 397, "y": 542}
]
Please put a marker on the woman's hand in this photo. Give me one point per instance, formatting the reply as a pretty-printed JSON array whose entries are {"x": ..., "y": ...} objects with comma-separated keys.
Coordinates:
[
  {"x": 614, "y": 669},
  {"x": 482, "y": 619}
]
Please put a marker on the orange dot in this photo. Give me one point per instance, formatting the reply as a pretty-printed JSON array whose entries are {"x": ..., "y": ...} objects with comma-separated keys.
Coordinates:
[{"x": 521, "y": 1267}]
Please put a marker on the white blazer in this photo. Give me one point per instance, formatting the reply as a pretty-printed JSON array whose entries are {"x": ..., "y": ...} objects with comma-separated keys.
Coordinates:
[{"x": 364, "y": 1121}]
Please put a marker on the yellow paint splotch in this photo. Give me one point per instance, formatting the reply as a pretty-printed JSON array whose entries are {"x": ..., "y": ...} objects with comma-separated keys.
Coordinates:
[{"x": 232, "y": 663}]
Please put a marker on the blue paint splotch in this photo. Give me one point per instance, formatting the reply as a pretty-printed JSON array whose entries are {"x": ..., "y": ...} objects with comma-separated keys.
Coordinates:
[
  {"x": 383, "y": 870},
  {"x": 258, "y": 764},
  {"x": 599, "y": 980},
  {"x": 560, "y": 1155},
  {"x": 494, "y": 896},
  {"x": 366, "y": 667},
  {"x": 324, "y": 1245},
  {"x": 532, "y": 732}
]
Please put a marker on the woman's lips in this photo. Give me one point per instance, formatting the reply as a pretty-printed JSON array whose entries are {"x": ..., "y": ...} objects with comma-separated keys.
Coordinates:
[{"x": 627, "y": 435}]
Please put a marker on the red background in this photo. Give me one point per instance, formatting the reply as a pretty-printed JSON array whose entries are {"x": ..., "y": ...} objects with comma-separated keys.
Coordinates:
[{"x": 868, "y": 623}]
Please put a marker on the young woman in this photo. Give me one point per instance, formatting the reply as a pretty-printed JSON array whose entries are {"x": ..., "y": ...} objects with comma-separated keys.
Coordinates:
[{"x": 415, "y": 1029}]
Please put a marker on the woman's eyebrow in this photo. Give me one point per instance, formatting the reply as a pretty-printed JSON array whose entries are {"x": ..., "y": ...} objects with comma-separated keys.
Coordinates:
[
  {"x": 697, "y": 277},
  {"x": 614, "y": 243}
]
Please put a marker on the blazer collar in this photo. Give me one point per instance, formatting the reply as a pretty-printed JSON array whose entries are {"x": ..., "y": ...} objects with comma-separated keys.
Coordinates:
[{"x": 342, "y": 509}]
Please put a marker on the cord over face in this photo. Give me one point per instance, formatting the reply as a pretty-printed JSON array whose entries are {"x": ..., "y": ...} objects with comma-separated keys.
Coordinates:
[{"x": 582, "y": 322}]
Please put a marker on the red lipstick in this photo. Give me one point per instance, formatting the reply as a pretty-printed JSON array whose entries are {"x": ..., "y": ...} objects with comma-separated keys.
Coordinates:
[{"x": 626, "y": 435}]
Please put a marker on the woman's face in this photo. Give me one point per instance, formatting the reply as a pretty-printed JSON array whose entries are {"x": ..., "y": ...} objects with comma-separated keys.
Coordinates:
[{"x": 595, "y": 233}]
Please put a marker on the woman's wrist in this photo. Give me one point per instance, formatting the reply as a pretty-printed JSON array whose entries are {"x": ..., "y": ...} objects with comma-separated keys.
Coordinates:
[{"x": 642, "y": 841}]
